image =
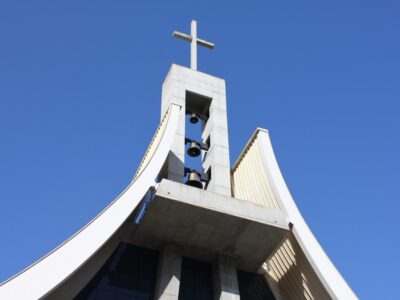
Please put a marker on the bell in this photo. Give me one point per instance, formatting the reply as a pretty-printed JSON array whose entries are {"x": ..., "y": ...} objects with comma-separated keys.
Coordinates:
[
  {"x": 194, "y": 149},
  {"x": 194, "y": 118},
  {"x": 194, "y": 180}
]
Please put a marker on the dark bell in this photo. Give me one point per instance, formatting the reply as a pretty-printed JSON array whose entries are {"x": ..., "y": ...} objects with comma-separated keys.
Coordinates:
[
  {"x": 194, "y": 149},
  {"x": 194, "y": 180},
  {"x": 194, "y": 118}
]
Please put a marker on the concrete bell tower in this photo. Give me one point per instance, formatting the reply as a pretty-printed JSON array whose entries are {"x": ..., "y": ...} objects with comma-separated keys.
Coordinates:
[{"x": 205, "y": 96}]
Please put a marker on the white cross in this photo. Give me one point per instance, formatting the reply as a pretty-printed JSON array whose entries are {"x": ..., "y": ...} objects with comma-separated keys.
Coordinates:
[{"x": 194, "y": 41}]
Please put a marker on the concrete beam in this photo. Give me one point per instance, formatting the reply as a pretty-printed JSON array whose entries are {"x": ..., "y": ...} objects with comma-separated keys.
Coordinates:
[
  {"x": 169, "y": 273},
  {"x": 191, "y": 217},
  {"x": 226, "y": 286}
]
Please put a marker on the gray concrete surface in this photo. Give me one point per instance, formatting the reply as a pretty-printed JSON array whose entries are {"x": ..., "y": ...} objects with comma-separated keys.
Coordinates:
[
  {"x": 169, "y": 273},
  {"x": 198, "y": 92},
  {"x": 226, "y": 286},
  {"x": 214, "y": 223}
]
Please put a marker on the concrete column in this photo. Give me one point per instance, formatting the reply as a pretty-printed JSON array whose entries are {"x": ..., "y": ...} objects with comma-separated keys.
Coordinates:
[
  {"x": 169, "y": 273},
  {"x": 226, "y": 286},
  {"x": 174, "y": 92}
]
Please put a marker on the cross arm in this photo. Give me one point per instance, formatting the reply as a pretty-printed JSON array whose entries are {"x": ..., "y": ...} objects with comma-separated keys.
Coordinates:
[
  {"x": 205, "y": 44},
  {"x": 182, "y": 36},
  {"x": 188, "y": 38}
]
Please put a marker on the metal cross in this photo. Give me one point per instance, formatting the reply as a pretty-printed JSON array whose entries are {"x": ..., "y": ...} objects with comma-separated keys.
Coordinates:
[{"x": 194, "y": 41}]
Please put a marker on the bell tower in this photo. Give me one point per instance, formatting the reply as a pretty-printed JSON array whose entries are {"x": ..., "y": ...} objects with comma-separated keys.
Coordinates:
[
  {"x": 188, "y": 226},
  {"x": 202, "y": 98}
]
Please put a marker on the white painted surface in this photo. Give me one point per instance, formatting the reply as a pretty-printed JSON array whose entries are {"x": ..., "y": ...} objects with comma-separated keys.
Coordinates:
[
  {"x": 194, "y": 41},
  {"x": 46, "y": 274},
  {"x": 193, "y": 45}
]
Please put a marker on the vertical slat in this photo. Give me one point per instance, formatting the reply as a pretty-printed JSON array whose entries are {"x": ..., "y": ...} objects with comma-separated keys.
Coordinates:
[
  {"x": 292, "y": 274},
  {"x": 251, "y": 183},
  {"x": 153, "y": 144}
]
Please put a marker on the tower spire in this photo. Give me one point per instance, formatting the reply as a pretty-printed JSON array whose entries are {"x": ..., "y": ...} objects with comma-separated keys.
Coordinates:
[{"x": 192, "y": 38}]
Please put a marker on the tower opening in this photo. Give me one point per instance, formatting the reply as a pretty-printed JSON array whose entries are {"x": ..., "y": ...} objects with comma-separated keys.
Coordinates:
[{"x": 197, "y": 114}]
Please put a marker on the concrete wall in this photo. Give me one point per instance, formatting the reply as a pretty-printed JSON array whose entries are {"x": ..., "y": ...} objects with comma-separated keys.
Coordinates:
[
  {"x": 226, "y": 286},
  {"x": 169, "y": 273},
  {"x": 178, "y": 82}
]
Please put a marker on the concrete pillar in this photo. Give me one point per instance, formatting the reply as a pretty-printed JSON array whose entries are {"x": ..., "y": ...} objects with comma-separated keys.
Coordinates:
[
  {"x": 226, "y": 286},
  {"x": 217, "y": 157},
  {"x": 169, "y": 273},
  {"x": 173, "y": 92}
]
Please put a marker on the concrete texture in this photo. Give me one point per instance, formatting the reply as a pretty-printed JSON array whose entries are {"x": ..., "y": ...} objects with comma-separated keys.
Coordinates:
[
  {"x": 226, "y": 286},
  {"x": 169, "y": 273},
  {"x": 218, "y": 224},
  {"x": 203, "y": 94}
]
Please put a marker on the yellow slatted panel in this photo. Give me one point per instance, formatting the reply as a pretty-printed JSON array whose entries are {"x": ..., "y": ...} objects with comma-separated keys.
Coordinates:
[
  {"x": 153, "y": 144},
  {"x": 250, "y": 181},
  {"x": 292, "y": 274},
  {"x": 288, "y": 268}
]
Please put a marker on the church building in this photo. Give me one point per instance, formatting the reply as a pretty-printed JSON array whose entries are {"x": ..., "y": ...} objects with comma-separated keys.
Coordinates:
[{"x": 209, "y": 230}]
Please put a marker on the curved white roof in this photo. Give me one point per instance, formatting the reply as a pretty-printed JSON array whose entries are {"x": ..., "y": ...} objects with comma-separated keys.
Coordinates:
[
  {"x": 46, "y": 274},
  {"x": 299, "y": 268}
]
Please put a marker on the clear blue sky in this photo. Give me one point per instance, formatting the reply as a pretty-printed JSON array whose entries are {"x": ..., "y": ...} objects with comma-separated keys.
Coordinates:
[{"x": 80, "y": 86}]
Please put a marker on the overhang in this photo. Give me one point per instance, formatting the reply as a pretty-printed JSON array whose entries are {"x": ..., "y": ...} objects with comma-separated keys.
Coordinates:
[{"x": 215, "y": 223}]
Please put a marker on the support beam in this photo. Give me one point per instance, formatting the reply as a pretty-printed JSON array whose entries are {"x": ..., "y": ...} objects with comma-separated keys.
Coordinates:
[
  {"x": 169, "y": 273},
  {"x": 226, "y": 286}
]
